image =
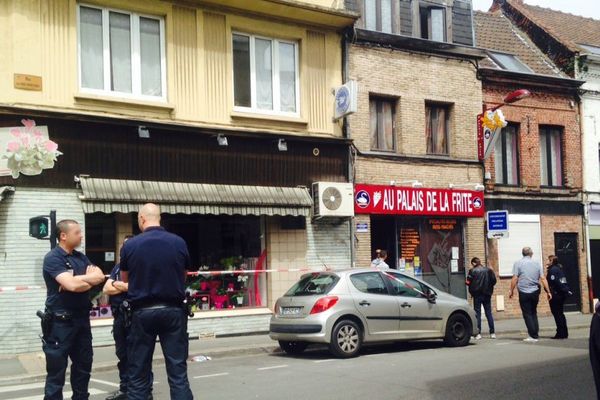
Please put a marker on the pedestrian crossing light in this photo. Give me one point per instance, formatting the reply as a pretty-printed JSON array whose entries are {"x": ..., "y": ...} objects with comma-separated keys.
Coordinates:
[{"x": 39, "y": 227}]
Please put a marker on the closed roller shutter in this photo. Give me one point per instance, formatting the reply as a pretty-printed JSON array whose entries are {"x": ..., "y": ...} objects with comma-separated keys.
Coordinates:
[{"x": 524, "y": 231}]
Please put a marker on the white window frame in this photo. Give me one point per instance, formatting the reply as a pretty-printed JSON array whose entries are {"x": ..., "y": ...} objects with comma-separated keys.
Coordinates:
[
  {"x": 136, "y": 78},
  {"x": 275, "y": 84}
]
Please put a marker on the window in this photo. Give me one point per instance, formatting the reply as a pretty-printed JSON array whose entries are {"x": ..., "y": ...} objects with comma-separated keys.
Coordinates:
[
  {"x": 433, "y": 23},
  {"x": 121, "y": 53},
  {"x": 378, "y": 15},
  {"x": 551, "y": 156},
  {"x": 436, "y": 128},
  {"x": 265, "y": 75},
  {"x": 509, "y": 62},
  {"x": 369, "y": 282},
  {"x": 313, "y": 285},
  {"x": 405, "y": 286},
  {"x": 506, "y": 154},
  {"x": 382, "y": 114}
]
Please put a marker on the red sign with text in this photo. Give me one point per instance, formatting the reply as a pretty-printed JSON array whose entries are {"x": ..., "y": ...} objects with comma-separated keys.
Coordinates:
[{"x": 392, "y": 200}]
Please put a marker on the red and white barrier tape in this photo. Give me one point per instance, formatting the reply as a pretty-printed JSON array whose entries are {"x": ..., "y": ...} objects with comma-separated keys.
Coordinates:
[{"x": 195, "y": 273}]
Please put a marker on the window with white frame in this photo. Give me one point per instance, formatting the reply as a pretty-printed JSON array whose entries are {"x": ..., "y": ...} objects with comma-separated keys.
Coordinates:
[
  {"x": 121, "y": 53},
  {"x": 551, "y": 156},
  {"x": 265, "y": 75}
]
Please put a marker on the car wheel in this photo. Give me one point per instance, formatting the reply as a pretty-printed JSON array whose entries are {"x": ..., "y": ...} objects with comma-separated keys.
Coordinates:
[
  {"x": 458, "y": 331},
  {"x": 293, "y": 348},
  {"x": 346, "y": 339}
]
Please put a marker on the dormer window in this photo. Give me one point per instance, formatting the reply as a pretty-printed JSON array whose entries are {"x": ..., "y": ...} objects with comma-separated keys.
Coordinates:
[{"x": 433, "y": 23}]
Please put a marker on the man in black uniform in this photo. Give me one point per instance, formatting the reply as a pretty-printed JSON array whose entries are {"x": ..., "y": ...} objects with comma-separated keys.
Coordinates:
[
  {"x": 154, "y": 265},
  {"x": 69, "y": 275},
  {"x": 594, "y": 346},
  {"x": 117, "y": 290},
  {"x": 560, "y": 291}
]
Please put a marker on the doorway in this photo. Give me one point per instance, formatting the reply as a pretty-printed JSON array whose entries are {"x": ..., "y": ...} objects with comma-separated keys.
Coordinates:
[{"x": 567, "y": 251}]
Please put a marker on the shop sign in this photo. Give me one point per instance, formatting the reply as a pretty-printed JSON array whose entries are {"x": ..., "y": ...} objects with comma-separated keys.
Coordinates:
[
  {"x": 443, "y": 224},
  {"x": 392, "y": 200},
  {"x": 362, "y": 227},
  {"x": 497, "y": 224}
]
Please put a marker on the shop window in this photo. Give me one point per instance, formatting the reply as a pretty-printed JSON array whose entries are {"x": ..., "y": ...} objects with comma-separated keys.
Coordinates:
[
  {"x": 433, "y": 23},
  {"x": 551, "y": 156},
  {"x": 226, "y": 250},
  {"x": 437, "y": 122},
  {"x": 121, "y": 53},
  {"x": 382, "y": 114},
  {"x": 369, "y": 282},
  {"x": 378, "y": 15},
  {"x": 265, "y": 75},
  {"x": 100, "y": 240},
  {"x": 506, "y": 155}
]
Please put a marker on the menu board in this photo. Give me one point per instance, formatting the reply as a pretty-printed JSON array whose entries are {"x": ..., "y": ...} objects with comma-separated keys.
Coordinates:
[{"x": 409, "y": 243}]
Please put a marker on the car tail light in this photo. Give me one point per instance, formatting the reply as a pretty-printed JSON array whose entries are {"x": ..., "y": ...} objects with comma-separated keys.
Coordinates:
[
  {"x": 276, "y": 310},
  {"x": 324, "y": 304}
]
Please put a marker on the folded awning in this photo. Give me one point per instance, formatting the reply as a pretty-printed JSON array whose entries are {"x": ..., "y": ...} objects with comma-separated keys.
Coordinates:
[
  {"x": 126, "y": 196},
  {"x": 4, "y": 190}
]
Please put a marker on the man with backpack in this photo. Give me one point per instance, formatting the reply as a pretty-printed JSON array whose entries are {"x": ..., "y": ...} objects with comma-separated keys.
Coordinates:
[{"x": 481, "y": 281}]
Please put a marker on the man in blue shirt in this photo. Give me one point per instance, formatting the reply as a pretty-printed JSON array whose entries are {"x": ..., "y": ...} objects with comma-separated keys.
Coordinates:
[
  {"x": 528, "y": 276},
  {"x": 117, "y": 290},
  {"x": 155, "y": 264},
  {"x": 69, "y": 275}
]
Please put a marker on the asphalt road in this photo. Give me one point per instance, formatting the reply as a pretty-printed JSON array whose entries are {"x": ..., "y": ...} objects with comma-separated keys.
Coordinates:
[{"x": 505, "y": 368}]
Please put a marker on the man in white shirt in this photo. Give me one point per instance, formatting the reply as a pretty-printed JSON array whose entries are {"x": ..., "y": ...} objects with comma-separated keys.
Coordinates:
[{"x": 379, "y": 262}]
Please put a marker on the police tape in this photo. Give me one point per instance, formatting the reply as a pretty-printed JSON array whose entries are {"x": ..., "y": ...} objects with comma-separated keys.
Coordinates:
[{"x": 194, "y": 273}]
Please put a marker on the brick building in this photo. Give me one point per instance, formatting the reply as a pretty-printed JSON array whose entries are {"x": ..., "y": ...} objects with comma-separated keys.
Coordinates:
[
  {"x": 414, "y": 135},
  {"x": 535, "y": 169}
]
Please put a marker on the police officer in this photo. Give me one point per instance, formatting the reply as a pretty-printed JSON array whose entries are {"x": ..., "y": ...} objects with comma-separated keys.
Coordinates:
[
  {"x": 560, "y": 291},
  {"x": 154, "y": 265},
  {"x": 117, "y": 290},
  {"x": 69, "y": 275}
]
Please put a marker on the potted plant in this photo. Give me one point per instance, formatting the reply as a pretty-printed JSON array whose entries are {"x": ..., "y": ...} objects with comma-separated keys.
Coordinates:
[
  {"x": 221, "y": 298},
  {"x": 239, "y": 298}
]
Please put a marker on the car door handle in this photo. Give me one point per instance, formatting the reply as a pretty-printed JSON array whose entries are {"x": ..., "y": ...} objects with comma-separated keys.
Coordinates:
[
  {"x": 405, "y": 305},
  {"x": 364, "y": 303}
]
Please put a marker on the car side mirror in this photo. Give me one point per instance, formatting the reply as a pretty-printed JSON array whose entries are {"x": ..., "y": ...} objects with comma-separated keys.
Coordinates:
[{"x": 431, "y": 296}]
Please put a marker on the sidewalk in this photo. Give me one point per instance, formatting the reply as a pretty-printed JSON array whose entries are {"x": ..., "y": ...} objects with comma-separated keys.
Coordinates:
[{"x": 30, "y": 366}]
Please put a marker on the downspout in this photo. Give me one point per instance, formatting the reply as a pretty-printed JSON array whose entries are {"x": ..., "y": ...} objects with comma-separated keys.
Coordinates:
[{"x": 346, "y": 133}]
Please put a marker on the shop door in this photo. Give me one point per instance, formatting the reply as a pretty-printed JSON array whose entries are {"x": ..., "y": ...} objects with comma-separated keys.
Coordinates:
[
  {"x": 565, "y": 248},
  {"x": 383, "y": 237}
]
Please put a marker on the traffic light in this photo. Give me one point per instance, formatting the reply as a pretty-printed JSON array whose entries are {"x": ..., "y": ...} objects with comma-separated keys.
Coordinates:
[
  {"x": 39, "y": 227},
  {"x": 44, "y": 227}
]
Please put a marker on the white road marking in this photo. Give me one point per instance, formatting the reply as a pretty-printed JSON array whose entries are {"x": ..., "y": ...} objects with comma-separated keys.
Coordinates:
[
  {"x": 18, "y": 388},
  {"x": 211, "y": 376},
  {"x": 66, "y": 395},
  {"x": 273, "y": 367},
  {"x": 324, "y": 361},
  {"x": 107, "y": 383},
  {"x": 503, "y": 344}
]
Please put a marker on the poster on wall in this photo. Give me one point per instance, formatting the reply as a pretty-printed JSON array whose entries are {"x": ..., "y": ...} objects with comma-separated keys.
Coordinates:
[{"x": 26, "y": 150}]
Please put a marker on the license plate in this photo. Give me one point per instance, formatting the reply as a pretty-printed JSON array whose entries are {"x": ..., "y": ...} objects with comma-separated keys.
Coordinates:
[{"x": 291, "y": 310}]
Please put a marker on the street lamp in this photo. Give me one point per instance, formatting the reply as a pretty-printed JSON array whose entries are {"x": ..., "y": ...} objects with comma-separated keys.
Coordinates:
[{"x": 513, "y": 97}]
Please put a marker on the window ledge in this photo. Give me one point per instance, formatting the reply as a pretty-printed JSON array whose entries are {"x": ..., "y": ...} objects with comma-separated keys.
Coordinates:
[
  {"x": 268, "y": 117},
  {"x": 424, "y": 157},
  {"x": 87, "y": 97}
]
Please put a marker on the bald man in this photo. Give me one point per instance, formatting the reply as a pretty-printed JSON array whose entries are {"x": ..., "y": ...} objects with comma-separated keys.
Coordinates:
[{"x": 154, "y": 264}]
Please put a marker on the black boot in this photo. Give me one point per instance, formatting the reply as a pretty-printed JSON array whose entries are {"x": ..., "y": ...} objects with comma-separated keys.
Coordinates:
[{"x": 118, "y": 395}]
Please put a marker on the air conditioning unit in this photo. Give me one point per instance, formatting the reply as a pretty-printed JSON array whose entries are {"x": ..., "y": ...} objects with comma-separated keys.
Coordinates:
[{"x": 333, "y": 199}]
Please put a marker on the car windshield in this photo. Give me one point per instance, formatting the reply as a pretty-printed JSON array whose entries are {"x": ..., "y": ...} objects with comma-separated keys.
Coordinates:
[{"x": 313, "y": 284}]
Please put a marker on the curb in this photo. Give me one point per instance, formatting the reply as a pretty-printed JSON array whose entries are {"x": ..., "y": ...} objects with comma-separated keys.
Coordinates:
[{"x": 230, "y": 353}]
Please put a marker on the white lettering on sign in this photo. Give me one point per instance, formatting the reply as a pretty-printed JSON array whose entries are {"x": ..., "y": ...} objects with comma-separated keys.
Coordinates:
[{"x": 461, "y": 202}]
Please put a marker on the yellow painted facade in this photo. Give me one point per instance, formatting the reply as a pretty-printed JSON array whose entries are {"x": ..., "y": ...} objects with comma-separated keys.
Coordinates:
[{"x": 39, "y": 38}]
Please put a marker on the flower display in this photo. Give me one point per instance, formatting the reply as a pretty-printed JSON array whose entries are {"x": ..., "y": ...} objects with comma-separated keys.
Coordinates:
[{"x": 30, "y": 153}]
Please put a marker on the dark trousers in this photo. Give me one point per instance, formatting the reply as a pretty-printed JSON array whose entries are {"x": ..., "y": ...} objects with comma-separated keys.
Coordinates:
[
  {"x": 170, "y": 325},
  {"x": 68, "y": 339},
  {"x": 529, "y": 303},
  {"x": 120, "y": 333},
  {"x": 486, "y": 301},
  {"x": 595, "y": 351},
  {"x": 556, "y": 306}
]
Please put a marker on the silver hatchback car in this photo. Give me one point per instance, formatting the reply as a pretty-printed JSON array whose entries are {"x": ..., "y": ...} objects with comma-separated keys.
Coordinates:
[{"x": 345, "y": 309}]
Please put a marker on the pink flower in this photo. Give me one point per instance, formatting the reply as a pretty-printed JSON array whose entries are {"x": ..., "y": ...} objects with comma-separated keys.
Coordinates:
[
  {"x": 28, "y": 123},
  {"x": 37, "y": 133},
  {"x": 16, "y": 132},
  {"x": 13, "y": 147},
  {"x": 25, "y": 140},
  {"x": 51, "y": 146}
]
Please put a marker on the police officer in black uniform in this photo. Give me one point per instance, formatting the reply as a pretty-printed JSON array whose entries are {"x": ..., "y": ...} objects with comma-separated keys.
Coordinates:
[
  {"x": 154, "y": 265},
  {"x": 560, "y": 291},
  {"x": 117, "y": 290},
  {"x": 69, "y": 275}
]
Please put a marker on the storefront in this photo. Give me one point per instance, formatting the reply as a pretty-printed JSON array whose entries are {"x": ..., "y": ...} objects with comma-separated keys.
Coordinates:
[{"x": 422, "y": 230}]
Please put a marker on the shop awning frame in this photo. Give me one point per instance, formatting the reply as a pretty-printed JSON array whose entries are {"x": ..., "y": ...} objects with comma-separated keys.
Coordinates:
[{"x": 126, "y": 196}]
